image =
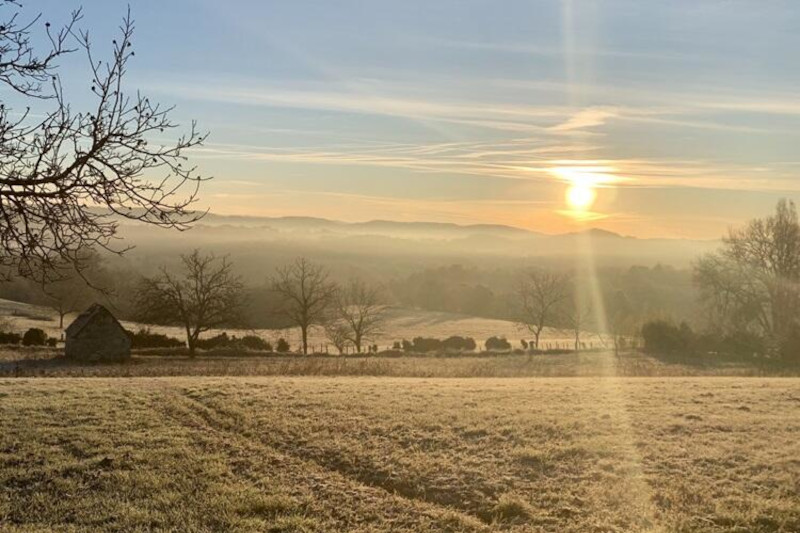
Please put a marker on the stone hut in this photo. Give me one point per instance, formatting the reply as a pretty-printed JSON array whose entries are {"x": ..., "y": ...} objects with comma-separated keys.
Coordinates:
[{"x": 95, "y": 335}]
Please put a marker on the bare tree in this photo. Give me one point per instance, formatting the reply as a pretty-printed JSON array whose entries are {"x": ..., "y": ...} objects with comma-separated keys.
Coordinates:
[
  {"x": 577, "y": 317},
  {"x": 753, "y": 282},
  {"x": 541, "y": 293},
  {"x": 621, "y": 320},
  {"x": 337, "y": 333},
  {"x": 66, "y": 177},
  {"x": 75, "y": 292},
  {"x": 362, "y": 309},
  {"x": 205, "y": 295},
  {"x": 307, "y": 293}
]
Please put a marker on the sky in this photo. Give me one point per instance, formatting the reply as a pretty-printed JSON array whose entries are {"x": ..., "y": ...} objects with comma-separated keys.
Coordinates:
[{"x": 653, "y": 119}]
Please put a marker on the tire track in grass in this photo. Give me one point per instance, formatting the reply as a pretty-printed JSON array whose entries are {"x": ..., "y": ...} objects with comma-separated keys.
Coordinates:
[
  {"x": 350, "y": 502},
  {"x": 384, "y": 481}
]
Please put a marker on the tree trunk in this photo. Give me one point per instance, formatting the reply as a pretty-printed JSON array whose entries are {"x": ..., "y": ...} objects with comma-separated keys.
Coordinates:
[
  {"x": 358, "y": 343},
  {"x": 190, "y": 342},
  {"x": 304, "y": 331}
]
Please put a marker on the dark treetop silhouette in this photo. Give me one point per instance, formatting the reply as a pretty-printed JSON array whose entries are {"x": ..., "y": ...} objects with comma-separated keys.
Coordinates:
[{"x": 67, "y": 178}]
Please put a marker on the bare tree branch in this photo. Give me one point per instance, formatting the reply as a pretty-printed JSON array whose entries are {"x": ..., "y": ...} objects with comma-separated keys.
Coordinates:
[
  {"x": 67, "y": 179},
  {"x": 541, "y": 292},
  {"x": 205, "y": 295},
  {"x": 307, "y": 292},
  {"x": 362, "y": 310}
]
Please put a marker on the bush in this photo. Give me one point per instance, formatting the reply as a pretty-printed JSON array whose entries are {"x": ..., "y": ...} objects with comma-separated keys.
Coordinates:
[
  {"x": 790, "y": 347},
  {"x": 282, "y": 346},
  {"x": 742, "y": 343},
  {"x": 661, "y": 336},
  {"x": 427, "y": 344},
  {"x": 34, "y": 337},
  {"x": 254, "y": 342},
  {"x": 407, "y": 346},
  {"x": 223, "y": 340},
  {"x": 459, "y": 344},
  {"x": 499, "y": 344},
  {"x": 10, "y": 338},
  {"x": 52, "y": 342},
  {"x": 217, "y": 341},
  {"x": 144, "y": 338}
]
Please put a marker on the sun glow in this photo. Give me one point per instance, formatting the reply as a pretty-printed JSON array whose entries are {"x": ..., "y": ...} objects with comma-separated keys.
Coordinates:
[
  {"x": 583, "y": 185},
  {"x": 581, "y": 197}
]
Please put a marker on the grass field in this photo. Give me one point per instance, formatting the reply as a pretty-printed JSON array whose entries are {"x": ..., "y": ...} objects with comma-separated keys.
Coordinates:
[
  {"x": 16, "y": 361},
  {"x": 400, "y": 454}
]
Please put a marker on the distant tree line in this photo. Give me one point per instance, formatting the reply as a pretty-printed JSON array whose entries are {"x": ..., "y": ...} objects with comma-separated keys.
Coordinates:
[
  {"x": 205, "y": 294},
  {"x": 750, "y": 291}
]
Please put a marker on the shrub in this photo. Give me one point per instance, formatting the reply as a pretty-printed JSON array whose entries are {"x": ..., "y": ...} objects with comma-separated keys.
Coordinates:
[
  {"x": 52, "y": 342},
  {"x": 459, "y": 344},
  {"x": 34, "y": 337},
  {"x": 499, "y": 344},
  {"x": 742, "y": 343},
  {"x": 427, "y": 344},
  {"x": 144, "y": 338},
  {"x": 9, "y": 338},
  {"x": 661, "y": 336},
  {"x": 282, "y": 346},
  {"x": 397, "y": 346},
  {"x": 217, "y": 341},
  {"x": 407, "y": 346},
  {"x": 254, "y": 342},
  {"x": 790, "y": 347}
]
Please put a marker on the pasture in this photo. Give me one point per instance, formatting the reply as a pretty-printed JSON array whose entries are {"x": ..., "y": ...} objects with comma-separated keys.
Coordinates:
[
  {"x": 367, "y": 454},
  {"x": 401, "y": 323},
  {"x": 16, "y": 361}
]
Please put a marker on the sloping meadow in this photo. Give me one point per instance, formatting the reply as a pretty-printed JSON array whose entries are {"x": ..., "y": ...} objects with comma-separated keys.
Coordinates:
[{"x": 397, "y": 454}]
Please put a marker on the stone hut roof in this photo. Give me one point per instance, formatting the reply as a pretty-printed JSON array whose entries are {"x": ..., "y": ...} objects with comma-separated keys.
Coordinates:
[{"x": 86, "y": 318}]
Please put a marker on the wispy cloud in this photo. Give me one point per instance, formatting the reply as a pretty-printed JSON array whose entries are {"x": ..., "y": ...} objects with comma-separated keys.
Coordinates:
[
  {"x": 523, "y": 159},
  {"x": 586, "y": 118},
  {"x": 534, "y": 49}
]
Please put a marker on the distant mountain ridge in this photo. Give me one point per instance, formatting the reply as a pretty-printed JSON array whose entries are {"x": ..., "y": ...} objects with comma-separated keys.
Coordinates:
[
  {"x": 381, "y": 225},
  {"x": 408, "y": 244}
]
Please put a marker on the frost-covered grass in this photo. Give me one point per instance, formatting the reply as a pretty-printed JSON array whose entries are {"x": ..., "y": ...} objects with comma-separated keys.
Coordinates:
[{"x": 400, "y": 454}]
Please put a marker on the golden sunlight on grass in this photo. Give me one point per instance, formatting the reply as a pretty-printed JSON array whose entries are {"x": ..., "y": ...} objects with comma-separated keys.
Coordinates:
[{"x": 401, "y": 455}]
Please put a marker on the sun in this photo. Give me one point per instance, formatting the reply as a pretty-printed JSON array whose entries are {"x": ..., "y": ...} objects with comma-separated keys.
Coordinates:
[{"x": 580, "y": 197}]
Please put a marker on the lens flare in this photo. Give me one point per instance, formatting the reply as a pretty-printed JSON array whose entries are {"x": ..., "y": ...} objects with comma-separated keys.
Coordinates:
[{"x": 581, "y": 197}]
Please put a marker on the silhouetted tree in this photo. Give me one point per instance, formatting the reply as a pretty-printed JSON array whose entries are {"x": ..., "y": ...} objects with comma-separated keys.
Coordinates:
[
  {"x": 576, "y": 315},
  {"x": 74, "y": 292},
  {"x": 204, "y": 295},
  {"x": 621, "y": 319},
  {"x": 541, "y": 293},
  {"x": 337, "y": 332},
  {"x": 753, "y": 283},
  {"x": 307, "y": 293},
  {"x": 361, "y": 309},
  {"x": 66, "y": 177}
]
